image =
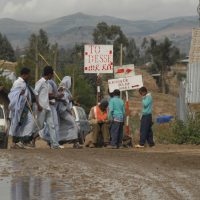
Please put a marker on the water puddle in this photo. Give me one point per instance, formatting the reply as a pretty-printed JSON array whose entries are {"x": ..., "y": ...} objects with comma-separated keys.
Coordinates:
[{"x": 34, "y": 188}]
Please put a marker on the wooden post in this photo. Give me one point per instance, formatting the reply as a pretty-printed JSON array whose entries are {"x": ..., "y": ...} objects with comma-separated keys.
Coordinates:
[
  {"x": 73, "y": 83},
  {"x": 98, "y": 88},
  {"x": 55, "y": 58},
  {"x": 36, "y": 60},
  {"x": 127, "y": 97}
]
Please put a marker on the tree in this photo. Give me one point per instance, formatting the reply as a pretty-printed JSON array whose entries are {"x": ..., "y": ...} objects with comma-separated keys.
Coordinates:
[
  {"x": 5, "y": 82},
  {"x": 104, "y": 34},
  {"x": 132, "y": 53},
  {"x": 37, "y": 44},
  {"x": 6, "y": 50},
  {"x": 144, "y": 53},
  {"x": 163, "y": 56}
]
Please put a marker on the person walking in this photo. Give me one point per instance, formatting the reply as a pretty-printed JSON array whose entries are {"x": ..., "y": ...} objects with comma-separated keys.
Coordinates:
[
  {"x": 20, "y": 97},
  {"x": 44, "y": 113}
]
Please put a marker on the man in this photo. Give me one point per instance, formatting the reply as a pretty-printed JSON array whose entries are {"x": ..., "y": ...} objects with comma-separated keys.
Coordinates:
[
  {"x": 44, "y": 114},
  {"x": 98, "y": 117},
  {"x": 146, "y": 133},
  {"x": 117, "y": 116},
  {"x": 20, "y": 110}
]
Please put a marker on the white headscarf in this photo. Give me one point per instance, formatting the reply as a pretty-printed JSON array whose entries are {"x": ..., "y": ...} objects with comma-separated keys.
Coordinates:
[{"x": 66, "y": 82}]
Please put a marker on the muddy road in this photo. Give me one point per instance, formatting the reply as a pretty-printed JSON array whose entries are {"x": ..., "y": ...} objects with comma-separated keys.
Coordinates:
[{"x": 163, "y": 172}]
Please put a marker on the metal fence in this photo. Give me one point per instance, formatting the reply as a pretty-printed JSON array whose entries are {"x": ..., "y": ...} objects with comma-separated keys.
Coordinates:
[
  {"x": 189, "y": 92},
  {"x": 181, "y": 104},
  {"x": 193, "y": 83}
]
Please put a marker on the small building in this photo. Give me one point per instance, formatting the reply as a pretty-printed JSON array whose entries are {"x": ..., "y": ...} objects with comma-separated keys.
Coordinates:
[{"x": 181, "y": 66}]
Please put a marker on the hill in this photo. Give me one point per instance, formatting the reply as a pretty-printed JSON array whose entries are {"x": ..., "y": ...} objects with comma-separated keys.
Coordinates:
[{"x": 78, "y": 28}]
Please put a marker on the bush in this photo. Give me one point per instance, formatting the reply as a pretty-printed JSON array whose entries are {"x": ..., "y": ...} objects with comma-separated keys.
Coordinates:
[
  {"x": 178, "y": 132},
  {"x": 187, "y": 132}
]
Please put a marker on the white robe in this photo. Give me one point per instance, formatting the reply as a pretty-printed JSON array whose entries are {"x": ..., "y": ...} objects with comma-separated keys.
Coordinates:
[{"x": 16, "y": 107}]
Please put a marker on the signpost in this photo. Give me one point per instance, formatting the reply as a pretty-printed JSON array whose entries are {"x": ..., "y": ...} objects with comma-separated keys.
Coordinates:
[
  {"x": 125, "y": 79},
  {"x": 124, "y": 71},
  {"x": 98, "y": 59},
  {"x": 124, "y": 84}
]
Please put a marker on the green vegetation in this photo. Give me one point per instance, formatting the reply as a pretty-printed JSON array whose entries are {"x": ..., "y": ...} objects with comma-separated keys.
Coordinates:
[
  {"x": 181, "y": 76},
  {"x": 6, "y": 50},
  {"x": 174, "y": 132},
  {"x": 179, "y": 132},
  {"x": 6, "y": 83},
  {"x": 163, "y": 55}
]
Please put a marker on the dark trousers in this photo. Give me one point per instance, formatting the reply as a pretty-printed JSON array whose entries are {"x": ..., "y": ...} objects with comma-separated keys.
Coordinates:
[
  {"x": 16, "y": 139},
  {"x": 116, "y": 131},
  {"x": 146, "y": 133}
]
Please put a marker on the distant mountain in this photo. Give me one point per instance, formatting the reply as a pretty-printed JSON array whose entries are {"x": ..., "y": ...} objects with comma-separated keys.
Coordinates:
[{"x": 78, "y": 28}]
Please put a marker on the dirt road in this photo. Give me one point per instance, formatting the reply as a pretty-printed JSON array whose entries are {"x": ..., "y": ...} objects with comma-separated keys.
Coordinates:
[{"x": 164, "y": 172}]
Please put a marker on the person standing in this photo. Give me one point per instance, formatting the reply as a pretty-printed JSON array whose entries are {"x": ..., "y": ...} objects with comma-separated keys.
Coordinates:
[
  {"x": 20, "y": 110},
  {"x": 44, "y": 114},
  {"x": 117, "y": 116},
  {"x": 146, "y": 133}
]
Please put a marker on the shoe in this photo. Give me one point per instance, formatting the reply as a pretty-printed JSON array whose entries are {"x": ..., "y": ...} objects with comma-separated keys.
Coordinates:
[
  {"x": 92, "y": 146},
  {"x": 28, "y": 146},
  {"x": 105, "y": 144},
  {"x": 111, "y": 147},
  {"x": 77, "y": 146},
  {"x": 151, "y": 145},
  {"x": 20, "y": 145},
  {"x": 57, "y": 147},
  {"x": 139, "y": 146},
  {"x": 14, "y": 146}
]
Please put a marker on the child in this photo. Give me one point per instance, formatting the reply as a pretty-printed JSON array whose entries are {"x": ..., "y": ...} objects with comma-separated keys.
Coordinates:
[
  {"x": 116, "y": 115},
  {"x": 146, "y": 133}
]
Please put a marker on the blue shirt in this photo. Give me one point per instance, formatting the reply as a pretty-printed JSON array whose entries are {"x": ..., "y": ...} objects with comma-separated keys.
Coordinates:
[
  {"x": 147, "y": 103},
  {"x": 116, "y": 109}
]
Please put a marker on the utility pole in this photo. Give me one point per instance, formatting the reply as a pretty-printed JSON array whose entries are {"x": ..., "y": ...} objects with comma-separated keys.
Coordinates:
[
  {"x": 55, "y": 57},
  {"x": 121, "y": 54},
  {"x": 127, "y": 128},
  {"x": 198, "y": 11},
  {"x": 36, "y": 60}
]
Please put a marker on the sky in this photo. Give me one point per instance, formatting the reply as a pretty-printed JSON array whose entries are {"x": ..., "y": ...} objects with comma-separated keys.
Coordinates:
[{"x": 43, "y": 10}]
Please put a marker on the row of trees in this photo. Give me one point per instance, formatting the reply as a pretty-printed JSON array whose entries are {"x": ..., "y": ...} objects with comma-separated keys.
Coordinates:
[
  {"x": 6, "y": 49},
  {"x": 70, "y": 61}
]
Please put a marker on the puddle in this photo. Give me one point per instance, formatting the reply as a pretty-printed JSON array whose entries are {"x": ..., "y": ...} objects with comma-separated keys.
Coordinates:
[{"x": 34, "y": 188}]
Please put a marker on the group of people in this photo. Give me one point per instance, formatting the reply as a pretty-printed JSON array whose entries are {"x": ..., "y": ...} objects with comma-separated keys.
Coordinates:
[
  {"x": 108, "y": 117},
  {"x": 46, "y": 111}
]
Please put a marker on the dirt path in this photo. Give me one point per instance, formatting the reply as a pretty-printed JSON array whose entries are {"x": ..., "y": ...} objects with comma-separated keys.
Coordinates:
[{"x": 164, "y": 172}]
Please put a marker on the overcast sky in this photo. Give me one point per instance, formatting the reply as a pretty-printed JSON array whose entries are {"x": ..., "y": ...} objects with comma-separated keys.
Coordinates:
[{"x": 42, "y": 10}]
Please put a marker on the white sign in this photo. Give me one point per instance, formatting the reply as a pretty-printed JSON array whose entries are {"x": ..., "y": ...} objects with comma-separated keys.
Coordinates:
[
  {"x": 124, "y": 71},
  {"x": 123, "y": 84},
  {"x": 98, "y": 59}
]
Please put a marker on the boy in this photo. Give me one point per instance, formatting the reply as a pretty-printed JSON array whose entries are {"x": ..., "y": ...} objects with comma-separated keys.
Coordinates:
[
  {"x": 146, "y": 133},
  {"x": 116, "y": 115}
]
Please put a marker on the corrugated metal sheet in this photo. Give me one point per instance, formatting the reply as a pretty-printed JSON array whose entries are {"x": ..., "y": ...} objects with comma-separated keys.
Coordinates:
[
  {"x": 193, "y": 83},
  {"x": 181, "y": 105}
]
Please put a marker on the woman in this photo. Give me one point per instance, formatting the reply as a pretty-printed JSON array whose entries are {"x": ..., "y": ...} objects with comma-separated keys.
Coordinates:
[{"x": 68, "y": 130}]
